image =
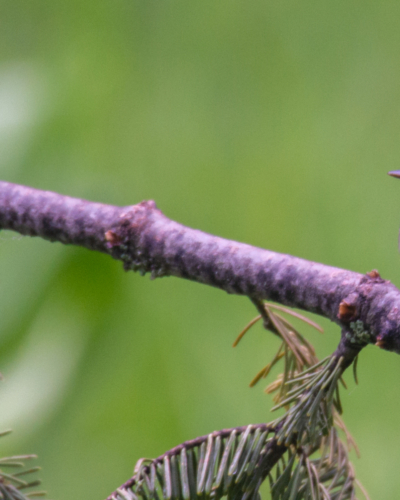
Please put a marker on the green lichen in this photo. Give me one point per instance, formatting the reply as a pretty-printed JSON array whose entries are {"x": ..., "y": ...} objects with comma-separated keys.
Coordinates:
[{"x": 359, "y": 334}]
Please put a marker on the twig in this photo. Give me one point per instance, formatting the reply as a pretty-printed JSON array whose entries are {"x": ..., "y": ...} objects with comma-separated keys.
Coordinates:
[{"x": 147, "y": 241}]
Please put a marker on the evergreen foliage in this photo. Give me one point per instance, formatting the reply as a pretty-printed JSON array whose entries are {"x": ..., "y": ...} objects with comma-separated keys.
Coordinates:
[{"x": 304, "y": 453}]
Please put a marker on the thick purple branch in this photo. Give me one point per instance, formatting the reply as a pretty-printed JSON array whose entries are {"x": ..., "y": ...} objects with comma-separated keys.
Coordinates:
[{"x": 366, "y": 307}]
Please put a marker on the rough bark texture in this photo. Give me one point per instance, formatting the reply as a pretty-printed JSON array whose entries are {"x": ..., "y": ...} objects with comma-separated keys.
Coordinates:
[{"x": 366, "y": 307}]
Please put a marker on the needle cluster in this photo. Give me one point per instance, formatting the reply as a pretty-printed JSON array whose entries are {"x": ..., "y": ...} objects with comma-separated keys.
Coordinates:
[{"x": 303, "y": 453}]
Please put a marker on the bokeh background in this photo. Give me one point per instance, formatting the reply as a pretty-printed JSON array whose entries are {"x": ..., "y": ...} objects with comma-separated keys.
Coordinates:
[{"x": 271, "y": 123}]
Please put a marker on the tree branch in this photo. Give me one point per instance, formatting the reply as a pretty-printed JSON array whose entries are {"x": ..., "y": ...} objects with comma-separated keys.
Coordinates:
[{"x": 367, "y": 308}]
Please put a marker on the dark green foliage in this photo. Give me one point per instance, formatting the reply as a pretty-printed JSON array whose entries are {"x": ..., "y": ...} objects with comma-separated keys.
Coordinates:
[
  {"x": 301, "y": 452},
  {"x": 230, "y": 464},
  {"x": 227, "y": 463},
  {"x": 329, "y": 476}
]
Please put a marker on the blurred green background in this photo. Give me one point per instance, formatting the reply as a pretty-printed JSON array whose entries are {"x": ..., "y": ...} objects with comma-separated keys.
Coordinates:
[{"x": 271, "y": 123}]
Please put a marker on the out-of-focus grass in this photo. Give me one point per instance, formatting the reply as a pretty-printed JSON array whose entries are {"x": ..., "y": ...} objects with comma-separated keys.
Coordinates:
[{"x": 273, "y": 124}]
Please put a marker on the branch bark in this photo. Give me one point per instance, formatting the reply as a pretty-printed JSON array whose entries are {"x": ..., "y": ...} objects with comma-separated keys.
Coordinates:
[{"x": 366, "y": 307}]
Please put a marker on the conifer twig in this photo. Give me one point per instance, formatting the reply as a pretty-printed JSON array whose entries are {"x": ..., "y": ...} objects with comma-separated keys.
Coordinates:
[{"x": 366, "y": 307}]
